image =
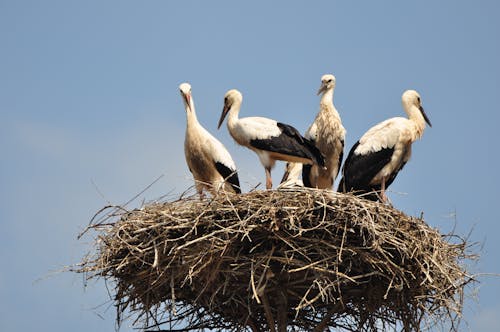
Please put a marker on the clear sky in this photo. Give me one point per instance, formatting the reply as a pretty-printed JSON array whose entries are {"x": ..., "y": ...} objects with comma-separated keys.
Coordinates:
[{"x": 89, "y": 95}]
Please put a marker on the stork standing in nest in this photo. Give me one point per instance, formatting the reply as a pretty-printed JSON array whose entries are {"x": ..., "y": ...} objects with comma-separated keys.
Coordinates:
[
  {"x": 378, "y": 156},
  {"x": 269, "y": 139},
  {"x": 208, "y": 160},
  {"x": 327, "y": 134},
  {"x": 291, "y": 177}
]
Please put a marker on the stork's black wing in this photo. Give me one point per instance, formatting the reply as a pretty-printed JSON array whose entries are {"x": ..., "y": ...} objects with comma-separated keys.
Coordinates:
[
  {"x": 229, "y": 175},
  {"x": 306, "y": 175},
  {"x": 290, "y": 142},
  {"x": 360, "y": 169}
]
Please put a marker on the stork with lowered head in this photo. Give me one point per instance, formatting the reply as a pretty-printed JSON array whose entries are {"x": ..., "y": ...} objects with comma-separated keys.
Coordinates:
[{"x": 208, "y": 160}]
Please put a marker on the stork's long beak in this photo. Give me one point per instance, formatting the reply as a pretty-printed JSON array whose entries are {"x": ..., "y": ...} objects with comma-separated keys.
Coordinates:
[
  {"x": 425, "y": 116},
  {"x": 187, "y": 99},
  {"x": 321, "y": 89},
  {"x": 225, "y": 110}
]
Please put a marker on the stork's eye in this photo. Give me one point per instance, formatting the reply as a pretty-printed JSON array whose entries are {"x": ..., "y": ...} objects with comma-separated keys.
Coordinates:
[{"x": 418, "y": 98}]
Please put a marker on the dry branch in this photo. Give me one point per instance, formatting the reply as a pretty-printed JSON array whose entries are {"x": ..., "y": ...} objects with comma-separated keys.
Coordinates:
[{"x": 310, "y": 259}]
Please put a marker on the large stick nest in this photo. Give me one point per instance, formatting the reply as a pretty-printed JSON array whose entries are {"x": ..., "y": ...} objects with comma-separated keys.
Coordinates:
[{"x": 297, "y": 259}]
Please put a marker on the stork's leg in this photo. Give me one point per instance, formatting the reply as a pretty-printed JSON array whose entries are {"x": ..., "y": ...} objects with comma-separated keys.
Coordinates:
[
  {"x": 202, "y": 195},
  {"x": 269, "y": 180},
  {"x": 383, "y": 196},
  {"x": 199, "y": 189}
]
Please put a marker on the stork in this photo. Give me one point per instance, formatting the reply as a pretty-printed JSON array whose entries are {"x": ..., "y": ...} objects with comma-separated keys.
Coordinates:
[
  {"x": 208, "y": 160},
  {"x": 375, "y": 160},
  {"x": 269, "y": 139},
  {"x": 327, "y": 134},
  {"x": 291, "y": 176}
]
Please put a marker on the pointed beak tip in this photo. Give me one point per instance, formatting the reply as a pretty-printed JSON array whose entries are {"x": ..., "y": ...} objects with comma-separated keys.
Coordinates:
[
  {"x": 187, "y": 98},
  {"x": 221, "y": 119},
  {"x": 225, "y": 110},
  {"x": 426, "y": 118}
]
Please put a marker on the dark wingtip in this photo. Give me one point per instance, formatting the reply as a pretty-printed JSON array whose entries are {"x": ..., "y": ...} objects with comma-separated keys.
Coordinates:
[
  {"x": 306, "y": 172},
  {"x": 235, "y": 182},
  {"x": 286, "y": 173},
  {"x": 229, "y": 175},
  {"x": 318, "y": 156},
  {"x": 341, "y": 187}
]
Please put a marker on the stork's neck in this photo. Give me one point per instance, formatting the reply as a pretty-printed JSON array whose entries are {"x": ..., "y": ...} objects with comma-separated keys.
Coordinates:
[
  {"x": 192, "y": 120},
  {"x": 233, "y": 115},
  {"x": 326, "y": 103},
  {"x": 416, "y": 117},
  {"x": 327, "y": 98}
]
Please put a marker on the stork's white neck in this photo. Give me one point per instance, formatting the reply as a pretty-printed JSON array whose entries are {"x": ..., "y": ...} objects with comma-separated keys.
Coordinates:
[
  {"x": 191, "y": 112},
  {"x": 233, "y": 114},
  {"x": 416, "y": 117},
  {"x": 327, "y": 98},
  {"x": 326, "y": 103}
]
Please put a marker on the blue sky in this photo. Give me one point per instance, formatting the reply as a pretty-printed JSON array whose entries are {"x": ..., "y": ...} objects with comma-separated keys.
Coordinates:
[{"x": 89, "y": 95}]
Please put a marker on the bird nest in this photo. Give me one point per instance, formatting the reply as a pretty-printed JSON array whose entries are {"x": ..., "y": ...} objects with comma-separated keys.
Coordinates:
[{"x": 279, "y": 260}]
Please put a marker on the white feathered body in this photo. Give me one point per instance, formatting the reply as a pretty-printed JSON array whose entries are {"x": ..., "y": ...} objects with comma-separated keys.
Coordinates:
[
  {"x": 203, "y": 151},
  {"x": 394, "y": 133},
  {"x": 328, "y": 136}
]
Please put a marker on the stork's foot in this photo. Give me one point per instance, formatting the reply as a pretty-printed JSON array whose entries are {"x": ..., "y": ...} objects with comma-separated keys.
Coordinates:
[
  {"x": 269, "y": 183},
  {"x": 269, "y": 180},
  {"x": 383, "y": 197}
]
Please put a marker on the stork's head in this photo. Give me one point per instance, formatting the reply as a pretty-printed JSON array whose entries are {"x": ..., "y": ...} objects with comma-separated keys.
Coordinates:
[
  {"x": 327, "y": 83},
  {"x": 185, "y": 89},
  {"x": 231, "y": 98},
  {"x": 410, "y": 99}
]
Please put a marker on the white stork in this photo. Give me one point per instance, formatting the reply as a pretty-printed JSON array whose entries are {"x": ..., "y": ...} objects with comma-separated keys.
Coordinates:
[
  {"x": 269, "y": 139},
  {"x": 208, "y": 160},
  {"x": 291, "y": 176},
  {"x": 328, "y": 136},
  {"x": 378, "y": 156}
]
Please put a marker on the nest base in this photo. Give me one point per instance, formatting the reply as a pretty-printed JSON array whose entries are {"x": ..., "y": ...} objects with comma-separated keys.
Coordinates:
[{"x": 300, "y": 259}]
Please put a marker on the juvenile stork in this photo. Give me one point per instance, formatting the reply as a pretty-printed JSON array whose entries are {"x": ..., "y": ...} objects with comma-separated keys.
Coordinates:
[
  {"x": 269, "y": 139},
  {"x": 327, "y": 134},
  {"x": 291, "y": 176},
  {"x": 378, "y": 156},
  {"x": 208, "y": 160}
]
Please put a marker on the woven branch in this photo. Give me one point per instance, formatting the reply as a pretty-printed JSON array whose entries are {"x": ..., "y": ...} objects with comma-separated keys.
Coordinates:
[{"x": 300, "y": 259}]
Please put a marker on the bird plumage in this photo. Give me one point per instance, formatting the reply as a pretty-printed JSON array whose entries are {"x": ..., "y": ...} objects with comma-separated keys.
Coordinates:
[
  {"x": 291, "y": 176},
  {"x": 327, "y": 134},
  {"x": 207, "y": 158},
  {"x": 269, "y": 139},
  {"x": 375, "y": 160}
]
